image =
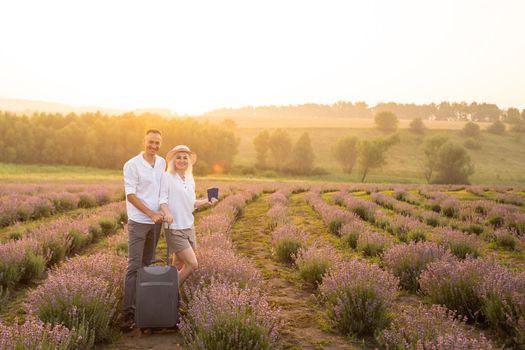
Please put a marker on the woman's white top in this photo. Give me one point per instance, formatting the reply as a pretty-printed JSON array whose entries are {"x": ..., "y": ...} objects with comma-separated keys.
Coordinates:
[{"x": 180, "y": 197}]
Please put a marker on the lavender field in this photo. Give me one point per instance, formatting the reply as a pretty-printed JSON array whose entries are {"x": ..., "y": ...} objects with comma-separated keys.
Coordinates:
[{"x": 281, "y": 265}]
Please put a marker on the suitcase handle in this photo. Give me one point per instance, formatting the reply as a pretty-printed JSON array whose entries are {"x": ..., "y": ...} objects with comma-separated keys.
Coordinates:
[{"x": 157, "y": 261}]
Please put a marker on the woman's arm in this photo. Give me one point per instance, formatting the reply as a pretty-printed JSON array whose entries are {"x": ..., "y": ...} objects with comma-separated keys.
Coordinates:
[
  {"x": 202, "y": 202},
  {"x": 166, "y": 211}
]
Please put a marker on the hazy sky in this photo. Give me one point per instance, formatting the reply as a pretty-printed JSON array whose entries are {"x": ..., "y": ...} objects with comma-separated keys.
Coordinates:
[{"x": 193, "y": 56}]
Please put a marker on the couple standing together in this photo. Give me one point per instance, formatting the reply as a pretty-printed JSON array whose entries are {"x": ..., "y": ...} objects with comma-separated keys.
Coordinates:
[{"x": 154, "y": 196}]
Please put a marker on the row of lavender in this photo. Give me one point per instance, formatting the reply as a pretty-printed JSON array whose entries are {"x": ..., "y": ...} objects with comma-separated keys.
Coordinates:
[
  {"x": 224, "y": 299},
  {"x": 74, "y": 308},
  {"x": 22, "y": 202},
  {"x": 408, "y": 261},
  {"x": 25, "y": 259}
]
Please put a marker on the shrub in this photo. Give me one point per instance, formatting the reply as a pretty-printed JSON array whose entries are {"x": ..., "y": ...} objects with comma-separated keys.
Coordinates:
[
  {"x": 15, "y": 236},
  {"x": 64, "y": 203},
  {"x": 232, "y": 269},
  {"x": 431, "y": 218},
  {"x": 386, "y": 121},
  {"x": 108, "y": 226},
  {"x": 224, "y": 316},
  {"x": 429, "y": 328},
  {"x": 95, "y": 232},
  {"x": 407, "y": 261},
  {"x": 359, "y": 296},
  {"x": 471, "y": 130},
  {"x": 351, "y": 231},
  {"x": 459, "y": 243},
  {"x": 417, "y": 126},
  {"x": 506, "y": 239},
  {"x": 373, "y": 243},
  {"x": 287, "y": 241},
  {"x": 314, "y": 262},
  {"x": 450, "y": 208},
  {"x": 453, "y": 164},
  {"x": 364, "y": 209},
  {"x": 83, "y": 295},
  {"x": 503, "y": 295},
  {"x": 34, "y": 334},
  {"x": 34, "y": 266},
  {"x": 55, "y": 249},
  {"x": 278, "y": 215},
  {"x": 407, "y": 228},
  {"x": 286, "y": 248},
  {"x": 455, "y": 284},
  {"x": 86, "y": 201}
]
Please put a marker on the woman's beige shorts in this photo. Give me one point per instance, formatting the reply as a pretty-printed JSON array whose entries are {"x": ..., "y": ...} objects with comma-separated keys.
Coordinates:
[{"x": 178, "y": 240}]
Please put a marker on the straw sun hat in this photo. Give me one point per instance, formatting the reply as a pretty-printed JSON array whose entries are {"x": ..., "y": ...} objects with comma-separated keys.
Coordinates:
[{"x": 181, "y": 149}]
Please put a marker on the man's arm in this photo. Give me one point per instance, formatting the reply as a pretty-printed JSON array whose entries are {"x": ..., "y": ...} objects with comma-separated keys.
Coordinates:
[
  {"x": 157, "y": 217},
  {"x": 131, "y": 180}
]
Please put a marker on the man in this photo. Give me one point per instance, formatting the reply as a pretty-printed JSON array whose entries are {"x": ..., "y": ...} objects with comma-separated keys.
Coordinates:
[{"x": 142, "y": 177}]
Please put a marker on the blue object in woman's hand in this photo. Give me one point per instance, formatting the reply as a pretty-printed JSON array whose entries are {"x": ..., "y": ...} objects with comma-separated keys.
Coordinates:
[{"x": 213, "y": 192}]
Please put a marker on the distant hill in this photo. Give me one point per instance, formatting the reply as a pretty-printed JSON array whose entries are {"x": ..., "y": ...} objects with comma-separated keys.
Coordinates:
[{"x": 28, "y": 107}]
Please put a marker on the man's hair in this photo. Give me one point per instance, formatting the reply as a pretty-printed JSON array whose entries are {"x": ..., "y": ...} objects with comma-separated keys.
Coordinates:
[{"x": 154, "y": 131}]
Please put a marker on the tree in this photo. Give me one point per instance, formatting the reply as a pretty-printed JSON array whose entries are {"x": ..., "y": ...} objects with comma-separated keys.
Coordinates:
[
  {"x": 261, "y": 142},
  {"x": 280, "y": 145},
  {"x": 386, "y": 121},
  {"x": 497, "y": 128},
  {"x": 431, "y": 148},
  {"x": 512, "y": 115},
  {"x": 302, "y": 157},
  {"x": 471, "y": 130},
  {"x": 417, "y": 126},
  {"x": 345, "y": 152},
  {"x": 372, "y": 153},
  {"x": 453, "y": 164}
]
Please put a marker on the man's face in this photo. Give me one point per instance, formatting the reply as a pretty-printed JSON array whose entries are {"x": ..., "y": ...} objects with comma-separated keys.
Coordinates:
[{"x": 152, "y": 143}]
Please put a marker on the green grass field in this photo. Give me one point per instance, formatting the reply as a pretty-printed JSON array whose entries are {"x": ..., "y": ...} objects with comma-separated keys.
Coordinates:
[
  {"x": 51, "y": 173},
  {"x": 501, "y": 159}
]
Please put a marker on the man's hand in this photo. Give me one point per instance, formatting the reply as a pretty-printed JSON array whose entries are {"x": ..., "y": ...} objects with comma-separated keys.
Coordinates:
[
  {"x": 213, "y": 201},
  {"x": 157, "y": 217}
]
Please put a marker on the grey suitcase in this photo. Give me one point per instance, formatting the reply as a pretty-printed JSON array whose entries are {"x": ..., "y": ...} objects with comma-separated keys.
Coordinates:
[{"x": 157, "y": 301}]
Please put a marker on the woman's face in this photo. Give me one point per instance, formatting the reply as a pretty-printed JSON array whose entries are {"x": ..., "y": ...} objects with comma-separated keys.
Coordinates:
[{"x": 182, "y": 160}]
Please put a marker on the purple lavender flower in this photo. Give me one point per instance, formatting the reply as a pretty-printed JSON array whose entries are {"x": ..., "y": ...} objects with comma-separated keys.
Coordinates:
[
  {"x": 429, "y": 328},
  {"x": 359, "y": 296},
  {"x": 224, "y": 316},
  {"x": 407, "y": 261}
]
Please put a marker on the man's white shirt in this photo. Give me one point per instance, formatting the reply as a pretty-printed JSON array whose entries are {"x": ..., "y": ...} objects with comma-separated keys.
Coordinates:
[{"x": 143, "y": 180}]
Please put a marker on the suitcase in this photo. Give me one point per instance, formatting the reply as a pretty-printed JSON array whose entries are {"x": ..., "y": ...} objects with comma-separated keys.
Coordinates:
[{"x": 157, "y": 300}]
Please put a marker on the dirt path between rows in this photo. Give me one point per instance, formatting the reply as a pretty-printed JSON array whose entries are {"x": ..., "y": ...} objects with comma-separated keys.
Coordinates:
[{"x": 301, "y": 312}]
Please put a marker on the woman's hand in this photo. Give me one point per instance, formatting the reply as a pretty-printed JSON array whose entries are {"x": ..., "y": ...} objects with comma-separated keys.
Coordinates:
[
  {"x": 213, "y": 201},
  {"x": 168, "y": 218}
]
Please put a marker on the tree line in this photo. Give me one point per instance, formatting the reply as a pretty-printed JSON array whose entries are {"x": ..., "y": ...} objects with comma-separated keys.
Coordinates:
[
  {"x": 94, "y": 139},
  {"x": 344, "y": 109}
]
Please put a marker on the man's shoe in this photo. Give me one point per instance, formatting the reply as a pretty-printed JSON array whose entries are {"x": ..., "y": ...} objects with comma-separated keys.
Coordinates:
[{"x": 128, "y": 323}]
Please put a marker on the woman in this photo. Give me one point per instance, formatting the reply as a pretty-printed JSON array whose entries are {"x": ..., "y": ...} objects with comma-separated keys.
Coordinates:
[{"x": 177, "y": 202}]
